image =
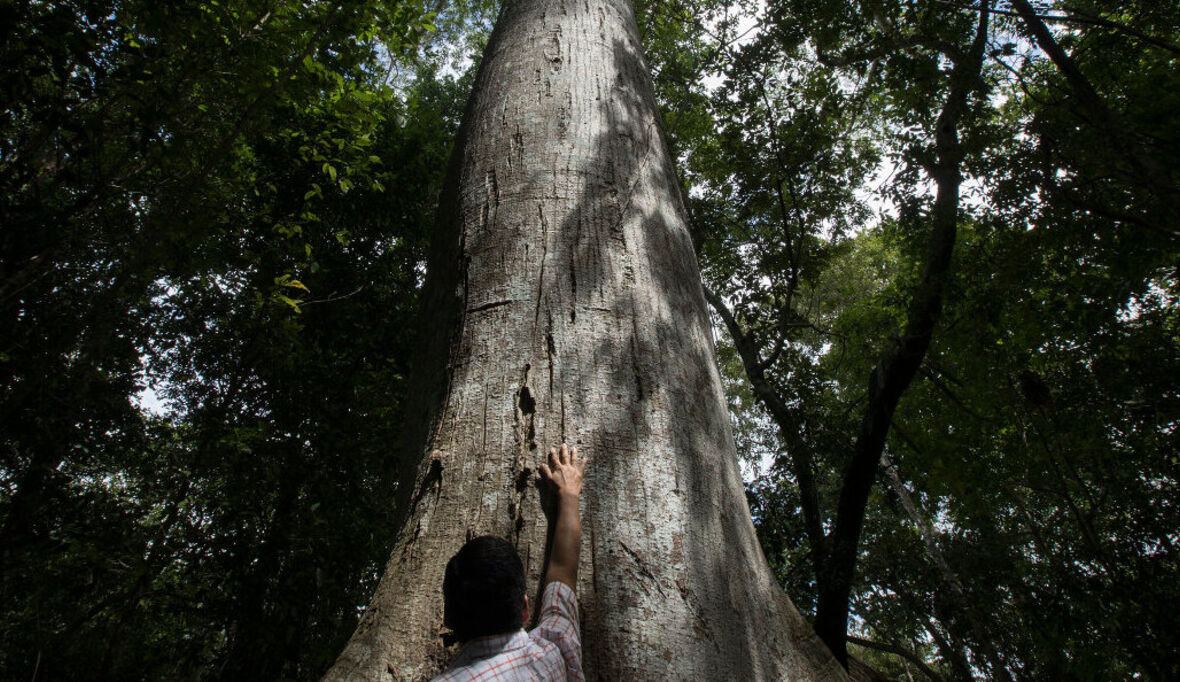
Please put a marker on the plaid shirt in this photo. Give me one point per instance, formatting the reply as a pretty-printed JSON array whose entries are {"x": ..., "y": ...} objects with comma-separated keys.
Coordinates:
[{"x": 551, "y": 651}]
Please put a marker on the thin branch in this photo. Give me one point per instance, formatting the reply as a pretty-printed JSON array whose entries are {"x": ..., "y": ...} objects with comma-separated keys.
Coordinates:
[
  {"x": 1080, "y": 17},
  {"x": 780, "y": 413},
  {"x": 898, "y": 651},
  {"x": 868, "y": 54},
  {"x": 941, "y": 385},
  {"x": 331, "y": 298},
  {"x": 1146, "y": 168}
]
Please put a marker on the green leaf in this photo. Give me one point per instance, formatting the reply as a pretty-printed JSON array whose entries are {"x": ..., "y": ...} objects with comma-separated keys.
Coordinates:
[{"x": 290, "y": 301}]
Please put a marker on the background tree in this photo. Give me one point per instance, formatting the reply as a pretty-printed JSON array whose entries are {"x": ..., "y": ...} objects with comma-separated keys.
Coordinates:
[
  {"x": 196, "y": 198},
  {"x": 816, "y": 327}
]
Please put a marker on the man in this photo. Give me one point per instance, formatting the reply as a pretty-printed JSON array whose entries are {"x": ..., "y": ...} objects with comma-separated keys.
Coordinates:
[{"x": 485, "y": 603}]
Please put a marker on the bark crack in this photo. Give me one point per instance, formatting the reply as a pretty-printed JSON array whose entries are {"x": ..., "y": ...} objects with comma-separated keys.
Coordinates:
[
  {"x": 635, "y": 365},
  {"x": 550, "y": 351},
  {"x": 516, "y": 147},
  {"x": 492, "y": 202},
  {"x": 541, "y": 276},
  {"x": 694, "y": 606},
  {"x": 573, "y": 289},
  {"x": 516, "y": 507},
  {"x": 594, "y": 560},
  {"x": 484, "y": 442},
  {"x": 524, "y": 418},
  {"x": 526, "y": 407},
  {"x": 488, "y": 306},
  {"x": 643, "y": 568},
  {"x": 553, "y": 49},
  {"x": 431, "y": 482}
]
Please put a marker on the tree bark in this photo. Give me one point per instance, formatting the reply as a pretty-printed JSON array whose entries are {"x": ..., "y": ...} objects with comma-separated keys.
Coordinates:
[{"x": 563, "y": 303}]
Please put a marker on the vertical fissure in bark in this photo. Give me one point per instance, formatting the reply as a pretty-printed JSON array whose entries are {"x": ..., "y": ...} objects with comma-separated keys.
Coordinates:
[{"x": 544, "y": 258}]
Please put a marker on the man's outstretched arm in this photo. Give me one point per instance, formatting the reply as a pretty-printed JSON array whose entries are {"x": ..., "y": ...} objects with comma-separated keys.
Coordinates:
[{"x": 564, "y": 472}]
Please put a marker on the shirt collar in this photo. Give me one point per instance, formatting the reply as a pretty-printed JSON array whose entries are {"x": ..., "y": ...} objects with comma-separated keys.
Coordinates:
[{"x": 483, "y": 647}]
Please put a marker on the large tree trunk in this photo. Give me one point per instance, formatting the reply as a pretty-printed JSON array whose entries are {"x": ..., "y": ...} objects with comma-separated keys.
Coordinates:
[{"x": 563, "y": 303}]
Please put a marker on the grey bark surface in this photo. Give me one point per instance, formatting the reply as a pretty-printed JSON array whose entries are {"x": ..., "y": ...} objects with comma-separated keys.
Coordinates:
[{"x": 563, "y": 303}]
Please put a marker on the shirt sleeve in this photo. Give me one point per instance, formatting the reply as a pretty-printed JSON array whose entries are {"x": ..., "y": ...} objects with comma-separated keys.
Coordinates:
[{"x": 559, "y": 624}]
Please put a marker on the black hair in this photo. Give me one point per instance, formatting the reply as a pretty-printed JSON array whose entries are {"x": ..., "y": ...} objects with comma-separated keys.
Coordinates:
[{"x": 483, "y": 590}]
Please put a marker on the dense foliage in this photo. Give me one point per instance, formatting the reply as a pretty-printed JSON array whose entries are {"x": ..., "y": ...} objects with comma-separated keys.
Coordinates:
[
  {"x": 227, "y": 202},
  {"x": 1023, "y": 523},
  {"x": 212, "y": 223}
]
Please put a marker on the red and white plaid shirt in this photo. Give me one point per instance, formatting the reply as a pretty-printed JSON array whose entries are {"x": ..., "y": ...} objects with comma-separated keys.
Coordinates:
[{"x": 550, "y": 651}]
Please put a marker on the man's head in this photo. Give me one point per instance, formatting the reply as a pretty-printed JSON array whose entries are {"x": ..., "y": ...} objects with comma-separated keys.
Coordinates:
[{"x": 483, "y": 590}]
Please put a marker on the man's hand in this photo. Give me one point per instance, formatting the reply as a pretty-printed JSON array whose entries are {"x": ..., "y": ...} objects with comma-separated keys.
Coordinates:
[{"x": 564, "y": 472}]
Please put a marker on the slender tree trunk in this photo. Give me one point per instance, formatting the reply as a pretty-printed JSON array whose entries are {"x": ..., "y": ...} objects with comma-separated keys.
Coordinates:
[
  {"x": 27, "y": 502},
  {"x": 951, "y": 651},
  {"x": 899, "y": 363},
  {"x": 801, "y": 462},
  {"x": 563, "y": 302}
]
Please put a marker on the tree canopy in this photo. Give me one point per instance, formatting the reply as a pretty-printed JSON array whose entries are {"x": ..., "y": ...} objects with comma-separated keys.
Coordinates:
[{"x": 939, "y": 238}]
